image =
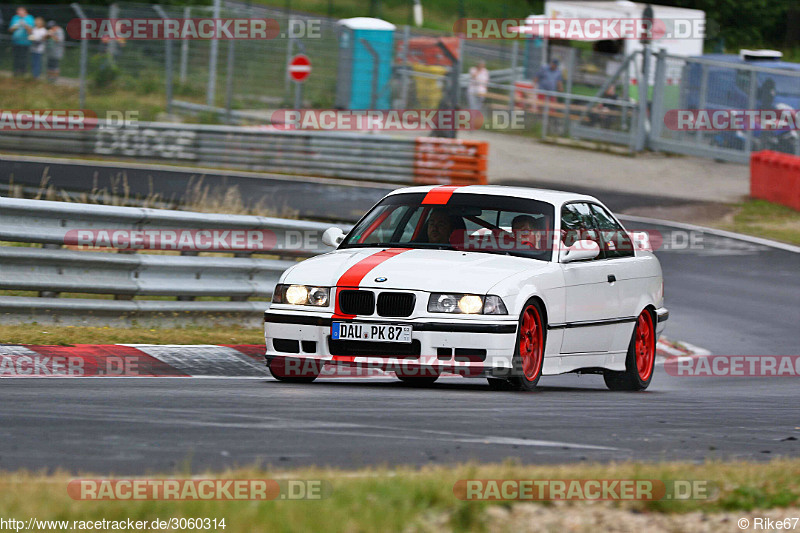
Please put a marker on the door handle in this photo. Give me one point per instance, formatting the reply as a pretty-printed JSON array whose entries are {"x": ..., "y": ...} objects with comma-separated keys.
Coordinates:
[{"x": 612, "y": 278}]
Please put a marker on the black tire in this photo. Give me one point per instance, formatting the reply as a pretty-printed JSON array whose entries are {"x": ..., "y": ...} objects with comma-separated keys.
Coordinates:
[
  {"x": 525, "y": 377},
  {"x": 632, "y": 378},
  {"x": 299, "y": 370}
]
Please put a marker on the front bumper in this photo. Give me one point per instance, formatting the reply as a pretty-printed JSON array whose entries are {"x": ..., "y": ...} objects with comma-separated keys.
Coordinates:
[
  {"x": 468, "y": 347},
  {"x": 662, "y": 315}
]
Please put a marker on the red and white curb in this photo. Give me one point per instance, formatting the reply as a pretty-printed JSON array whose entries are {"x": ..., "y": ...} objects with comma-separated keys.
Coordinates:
[
  {"x": 133, "y": 360},
  {"x": 669, "y": 350},
  {"x": 182, "y": 360}
]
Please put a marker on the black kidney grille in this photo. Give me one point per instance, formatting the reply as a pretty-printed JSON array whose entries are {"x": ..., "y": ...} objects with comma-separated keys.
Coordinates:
[
  {"x": 395, "y": 304},
  {"x": 357, "y": 302}
]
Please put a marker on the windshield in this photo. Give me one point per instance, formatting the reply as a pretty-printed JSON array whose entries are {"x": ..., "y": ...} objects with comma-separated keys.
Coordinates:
[{"x": 468, "y": 222}]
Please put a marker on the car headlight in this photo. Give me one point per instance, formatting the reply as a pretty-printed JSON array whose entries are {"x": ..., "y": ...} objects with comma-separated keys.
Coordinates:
[
  {"x": 469, "y": 304},
  {"x": 301, "y": 295}
]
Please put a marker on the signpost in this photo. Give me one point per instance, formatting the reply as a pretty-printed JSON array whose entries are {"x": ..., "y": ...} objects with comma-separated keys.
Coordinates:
[{"x": 299, "y": 70}]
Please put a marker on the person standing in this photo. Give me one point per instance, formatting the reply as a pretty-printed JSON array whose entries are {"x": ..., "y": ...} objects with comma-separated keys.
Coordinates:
[
  {"x": 478, "y": 84},
  {"x": 37, "y": 37},
  {"x": 55, "y": 50},
  {"x": 549, "y": 78},
  {"x": 21, "y": 26}
]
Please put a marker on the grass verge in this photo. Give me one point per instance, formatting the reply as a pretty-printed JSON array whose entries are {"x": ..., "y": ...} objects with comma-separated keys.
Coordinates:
[
  {"x": 407, "y": 499},
  {"x": 765, "y": 219},
  {"x": 65, "y": 335},
  {"x": 37, "y": 94}
]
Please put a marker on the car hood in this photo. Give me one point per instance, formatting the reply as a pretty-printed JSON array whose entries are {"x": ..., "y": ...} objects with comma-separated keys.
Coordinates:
[{"x": 425, "y": 270}]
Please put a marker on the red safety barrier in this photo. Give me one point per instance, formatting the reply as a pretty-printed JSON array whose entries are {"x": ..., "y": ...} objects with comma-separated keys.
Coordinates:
[
  {"x": 775, "y": 176},
  {"x": 450, "y": 161}
]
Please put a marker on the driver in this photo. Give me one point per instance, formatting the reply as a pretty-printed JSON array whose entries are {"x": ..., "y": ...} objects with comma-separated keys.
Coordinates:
[
  {"x": 440, "y": 226},
  {"x": 525, "y": 230}
]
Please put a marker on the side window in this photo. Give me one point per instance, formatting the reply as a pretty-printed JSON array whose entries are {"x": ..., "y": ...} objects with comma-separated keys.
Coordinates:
[
  {"x": 577, "y": 224},
  {"x": 615, "y": 241}
]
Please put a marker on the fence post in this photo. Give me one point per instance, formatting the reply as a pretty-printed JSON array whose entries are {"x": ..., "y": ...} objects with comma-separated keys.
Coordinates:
[
  {"x": 212, "y": 60},
  {"x": 659, "y": 90},
  {"x": 376, "y": 60},
  {"x": 84, "y": 57},
  {"x": 703, "y": 92},
  {"x": 751, "y": 104},
  {"x": 289, "y": 52},
  {"x": 546, "y": 117},
  {"x": 568, "y": 99},
  {"x": 513, "y": 93},
  {"x": 187, "y": 13},
  {"x": 229, "y": 81},
  {"x": 113, "y": 13},
  {"x": 404, "y": 62},
  {"x": 167, "y": 59},
  {"x": 644, "y": 83}
]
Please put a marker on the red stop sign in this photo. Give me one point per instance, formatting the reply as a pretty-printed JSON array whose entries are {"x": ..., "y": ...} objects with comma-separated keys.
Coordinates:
[{"x": 300, "y": 67}]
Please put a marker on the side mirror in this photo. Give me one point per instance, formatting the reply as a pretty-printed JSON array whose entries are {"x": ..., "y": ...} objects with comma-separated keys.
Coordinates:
[
  {"x": 580, "y": 251},
  {"x": 641, "y": 241},
  {"x": 332, "y": 237}
]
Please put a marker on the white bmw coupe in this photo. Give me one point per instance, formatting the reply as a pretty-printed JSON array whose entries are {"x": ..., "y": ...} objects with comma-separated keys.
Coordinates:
[{"x": 501, "y": 282}]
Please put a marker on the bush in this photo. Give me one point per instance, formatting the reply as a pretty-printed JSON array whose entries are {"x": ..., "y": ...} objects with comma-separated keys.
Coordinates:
[{"x": 103, "y": 70}]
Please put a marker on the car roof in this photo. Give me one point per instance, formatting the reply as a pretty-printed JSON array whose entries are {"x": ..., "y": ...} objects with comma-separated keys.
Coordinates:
[
  {"x": 543, "y": 195},
  {"x": 767, "y": 63}
]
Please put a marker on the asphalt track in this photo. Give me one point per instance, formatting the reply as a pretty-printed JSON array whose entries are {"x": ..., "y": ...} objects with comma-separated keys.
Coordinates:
[{"x": 730, "y": 297}]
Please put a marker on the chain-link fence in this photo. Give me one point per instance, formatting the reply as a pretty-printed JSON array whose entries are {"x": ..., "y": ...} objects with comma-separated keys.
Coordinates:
[
  {"x": 723, "y": 89},
  {"x": 243, "y": 81}
]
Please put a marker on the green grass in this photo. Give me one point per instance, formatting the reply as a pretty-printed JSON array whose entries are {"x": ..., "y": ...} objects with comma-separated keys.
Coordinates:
[
  {"x": 766, "y": 219},
  {"x": 33, "y": 94},
  {"x": 64, "y": 335},
  {"x": 437, "y": 14},
  {"x": 407, "y": 499}
]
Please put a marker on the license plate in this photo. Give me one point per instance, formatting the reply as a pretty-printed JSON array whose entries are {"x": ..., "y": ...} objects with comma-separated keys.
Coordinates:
[{"x": 370, "y": 332}]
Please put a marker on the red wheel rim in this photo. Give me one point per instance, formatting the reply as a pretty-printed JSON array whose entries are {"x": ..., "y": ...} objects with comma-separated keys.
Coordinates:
[
  {"x": 530, "y": 343},
  {"x": 645, "y": 345}
]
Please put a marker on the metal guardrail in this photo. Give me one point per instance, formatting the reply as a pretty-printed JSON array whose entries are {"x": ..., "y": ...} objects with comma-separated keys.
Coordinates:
[
  {"x": 357, "y": 156},
  {"x": 53, "y": 269},
  {"x": 340, "y": 155}
]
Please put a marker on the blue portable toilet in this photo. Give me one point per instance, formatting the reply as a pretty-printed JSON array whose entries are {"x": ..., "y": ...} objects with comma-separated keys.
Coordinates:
[{"x": 363, "y": 83}]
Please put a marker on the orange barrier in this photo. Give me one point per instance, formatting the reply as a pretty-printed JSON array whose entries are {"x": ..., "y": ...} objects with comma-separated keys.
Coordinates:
[
  {"x": 775, "y": 176},
  {"x": 450, "y": 161}
]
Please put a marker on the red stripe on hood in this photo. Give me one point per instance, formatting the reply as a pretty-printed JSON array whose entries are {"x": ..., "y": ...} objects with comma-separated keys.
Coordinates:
[
  {"x": 440, "y": 195},
  {"x": 356, "y": 273}
]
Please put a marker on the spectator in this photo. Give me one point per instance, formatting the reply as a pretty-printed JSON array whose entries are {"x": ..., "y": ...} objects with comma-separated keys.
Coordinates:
[
  {"x": 37, "y": 37},
  {"x": 478, "y": 83},
  {"x": 21, "y": 26},
  {"x": 549, "y": 78},
  {"x": 55, "y": 50},
  {"x": 602, "y": 114},
  {"x": 766, "y": 94}
]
